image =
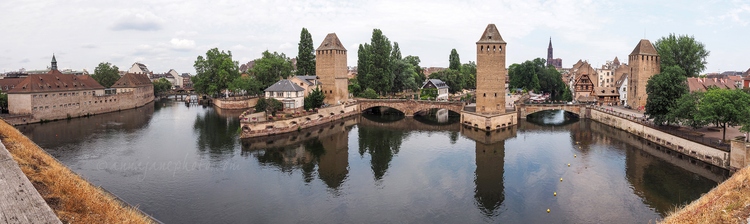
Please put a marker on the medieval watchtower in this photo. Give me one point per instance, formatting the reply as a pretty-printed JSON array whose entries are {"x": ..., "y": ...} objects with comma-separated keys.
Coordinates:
[
  {"x": 491, "y": 72},
  {"x": 330, "y": 66},
  {"x": 644, "y": 62}
]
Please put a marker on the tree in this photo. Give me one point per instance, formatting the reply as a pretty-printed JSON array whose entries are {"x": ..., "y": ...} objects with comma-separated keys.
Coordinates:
[
  {"x": 414, "y": 61},
  {"x": 106, "y": 74},
  {"x": 3, "y": 102},
  {"x": 724, "y": 107},
  {"x": 214, "y": 72},
  {"x": 314, "y": 99},
  {"x": 305, "y": 54},
  {"x": 162, "y": 85},
  {"x": 354, "y": 87},
  {"x": 271, "y": 68},
  {"x": 269, "y": 105},
  {"x": 526, "y": 74},
  {"x": 247, "y": 85},
  {"x": 454, "y": 60},
  {"x": 567, "y": 96},
  {"x": 374, "y": 63},
  {"x": 469, "y": 71},
  {"x": 369, "y": 94},
  {"x": 682, "y": 51},
  {"x": 662, "y": 90},
  {"x": 453, "y": 78},
  {"x": 685, "y": 109}
]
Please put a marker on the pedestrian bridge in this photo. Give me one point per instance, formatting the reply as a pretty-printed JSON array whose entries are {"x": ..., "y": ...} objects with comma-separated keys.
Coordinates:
[
  {"x": 526, "y": 109},
  {"x": 410, "y": 107}
]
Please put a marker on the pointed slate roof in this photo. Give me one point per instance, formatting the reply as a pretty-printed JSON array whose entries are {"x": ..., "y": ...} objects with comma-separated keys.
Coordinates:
[
  {"x": 644, "y": 47},
  {"x": 550, "y": 42},
  {"x": 616, "y": 61},
  {"x": 331, "y": 42},
  {"x": 284, "y": 85},
  {"x": 492, "y": 36}
]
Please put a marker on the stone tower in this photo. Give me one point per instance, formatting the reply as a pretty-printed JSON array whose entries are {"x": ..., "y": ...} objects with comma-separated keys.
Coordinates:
[
  {"x": 491, "y": 72},
  {"x": 644, "y": 62},
  {"x": 330, "y": 67},
  {"x": 53, "y": 66},
  {"x": 549, "y": 53}
]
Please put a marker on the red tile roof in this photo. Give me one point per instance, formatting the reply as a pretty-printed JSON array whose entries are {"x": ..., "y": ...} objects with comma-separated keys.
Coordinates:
[
  {"x": 9, "y": 83},
  {"x": 55, "y": 81},
  {"x": 131, "y": 80}
]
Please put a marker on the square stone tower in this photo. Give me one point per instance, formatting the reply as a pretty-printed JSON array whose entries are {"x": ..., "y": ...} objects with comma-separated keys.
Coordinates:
[
  {"x": 644, "y": 62},
  {"x": 330, "y": 67},
  {"x": 491, "y": 72}
]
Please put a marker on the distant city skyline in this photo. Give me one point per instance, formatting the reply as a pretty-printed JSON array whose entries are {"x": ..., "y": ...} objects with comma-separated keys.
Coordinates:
[{"x": 171, "y": 34}]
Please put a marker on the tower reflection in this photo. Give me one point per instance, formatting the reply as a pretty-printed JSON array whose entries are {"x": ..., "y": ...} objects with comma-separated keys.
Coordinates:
[{"x": 490, "y": 160}]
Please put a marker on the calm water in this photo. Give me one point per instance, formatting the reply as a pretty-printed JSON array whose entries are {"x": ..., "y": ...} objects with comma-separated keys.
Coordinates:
[{"x": 186, "y": 165}]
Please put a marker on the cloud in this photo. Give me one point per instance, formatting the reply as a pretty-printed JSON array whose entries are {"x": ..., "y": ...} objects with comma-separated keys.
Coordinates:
[
  {"x": 89, "y": 46},
  {"x": 140, "y": 21},
  {"x": 25, "y": 60},
  {"x": 182, "y": 44}
]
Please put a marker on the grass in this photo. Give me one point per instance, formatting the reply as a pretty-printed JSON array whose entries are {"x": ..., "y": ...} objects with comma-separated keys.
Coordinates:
[
  {"x": 73, "y": 199},
  {"x": 727, "y": 203}
]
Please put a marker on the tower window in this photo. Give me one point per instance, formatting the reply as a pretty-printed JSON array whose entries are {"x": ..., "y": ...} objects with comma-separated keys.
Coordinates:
[{"x": 484, "y": 95}]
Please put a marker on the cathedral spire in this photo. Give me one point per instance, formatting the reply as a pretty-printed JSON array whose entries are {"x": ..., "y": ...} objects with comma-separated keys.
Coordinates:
[
  {"x": 54, "y": 63},
  {"x": 550, "y": 43}
]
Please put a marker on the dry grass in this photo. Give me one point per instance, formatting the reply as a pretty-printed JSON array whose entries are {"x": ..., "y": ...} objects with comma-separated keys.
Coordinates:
[
  {"x": 727, "y": 203},
  {"x": 73, "y": 199}
]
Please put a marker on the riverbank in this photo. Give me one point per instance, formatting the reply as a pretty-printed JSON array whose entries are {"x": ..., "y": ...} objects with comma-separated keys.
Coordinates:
[
  {"x": 73, "y": 199},
  {"x": 727, "y": 203}
]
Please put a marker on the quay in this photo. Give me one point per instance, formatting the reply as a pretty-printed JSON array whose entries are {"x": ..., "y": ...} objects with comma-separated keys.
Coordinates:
[{"x": 20, "y": 202}]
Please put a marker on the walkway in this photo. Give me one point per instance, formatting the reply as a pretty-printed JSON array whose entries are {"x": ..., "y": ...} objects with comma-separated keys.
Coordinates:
[{"x": 19, "y": 201}]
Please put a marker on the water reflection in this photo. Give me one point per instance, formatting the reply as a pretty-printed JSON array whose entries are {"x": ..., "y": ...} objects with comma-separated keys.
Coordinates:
[
  {"x": 380, "y": 143},
  {"x": 217, "y": 130},
  {"x": 489, "y": 192}
]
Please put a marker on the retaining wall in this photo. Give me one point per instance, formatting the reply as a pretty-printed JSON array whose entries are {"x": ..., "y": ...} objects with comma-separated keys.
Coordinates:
[
  {"x": 235, "y": 103},
  {"x": 252, "y": 129}
]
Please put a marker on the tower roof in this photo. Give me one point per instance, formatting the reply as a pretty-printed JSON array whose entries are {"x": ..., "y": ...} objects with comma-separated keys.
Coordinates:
[
  {"x": 617, "y": 61},
  {"x": 53, "y": 58},
  {"x": 550, "y": 42},
  {"x": 331, "y": 42},
  {"x": 492, "y": 36},
  {"x": 644, "y": 47}
]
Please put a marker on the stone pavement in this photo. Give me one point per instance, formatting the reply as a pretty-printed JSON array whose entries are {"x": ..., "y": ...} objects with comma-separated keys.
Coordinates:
[{"x": 19, "y": 201}]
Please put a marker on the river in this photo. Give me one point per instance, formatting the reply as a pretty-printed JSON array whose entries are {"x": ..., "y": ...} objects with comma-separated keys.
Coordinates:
[{"x": 186, "y": 164}]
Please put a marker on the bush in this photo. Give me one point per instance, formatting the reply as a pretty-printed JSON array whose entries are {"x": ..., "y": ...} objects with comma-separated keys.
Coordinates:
[
  {"x": 269, "y": 105},
  {"x": 369, "y": 94}
]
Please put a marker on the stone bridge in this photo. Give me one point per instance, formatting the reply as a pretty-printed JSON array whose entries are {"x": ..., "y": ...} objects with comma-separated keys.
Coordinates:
[
  {"x": 526, "y": 109},
  {"x": 410, "y": 107},
  {"x": 409, "y": 124}
]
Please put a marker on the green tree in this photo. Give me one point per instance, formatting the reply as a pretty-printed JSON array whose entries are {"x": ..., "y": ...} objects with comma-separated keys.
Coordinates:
[
  {"x": 414, "y": 61},
  {"x": 106, "y": 74},
  {"x": 214, "y": 72},
  {"x": 454, "y": 60},
  {"x": 453, "y": 78},
  {"x": 724, "y": 107},
  {"x": 526, "y": 74},
  {"x": 314, "y": 99},
  {"x": 162, "y": 85},
  {"x": 374, "y": 64},
  {"x": 662, "y": 90},
  {"x": 369, "y": 94},
  {"x": 567, "y": 96},
  {"x": 469, "y": 71},
  {"x": 685, "y": 109},
  {"x": 682, "y": 51},
  {"x": 246, "y": 84},
  {"x": 354, "y": 87},
  {"x": 305, "y": 54},
  {"x": 269, "y": 105},
  {"x": 271, "y": 68},
  {"x": 3, "y": 102}
]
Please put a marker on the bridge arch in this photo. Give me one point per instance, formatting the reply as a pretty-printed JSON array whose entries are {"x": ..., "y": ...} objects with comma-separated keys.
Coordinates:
[
  {"x": 526, "y": 109},
  {"x": 410, "y": 107}
]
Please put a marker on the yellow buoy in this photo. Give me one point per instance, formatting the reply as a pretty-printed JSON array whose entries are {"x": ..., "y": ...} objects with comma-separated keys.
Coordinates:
[
  {"x": 548, "y": 210},
  {"x": 560, "y": 179},
  {"x": 574, "y": 156},
  {"x": 568, "y": 164},
  {"x": 555, "y": 194}
]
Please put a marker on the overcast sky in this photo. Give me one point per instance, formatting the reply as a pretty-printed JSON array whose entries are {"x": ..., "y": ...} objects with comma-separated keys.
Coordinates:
[{"x": 171, "y": 34}]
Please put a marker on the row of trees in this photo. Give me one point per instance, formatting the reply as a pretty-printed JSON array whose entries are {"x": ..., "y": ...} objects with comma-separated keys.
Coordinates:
[
  {"x": 382, "y": 69},
  {"x": 669, "y": 100},
  {"x": 537, "y": 76},
  {"x": 458, "y": 76}
]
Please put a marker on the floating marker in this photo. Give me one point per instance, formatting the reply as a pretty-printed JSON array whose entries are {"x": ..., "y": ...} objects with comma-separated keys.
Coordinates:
[
  {"x": 548, "y": 210},
  {"x": 568, "y": 164},
  {"x": 560, "y": 179},
  {"x": 574, "y": 156},
  {"x": 555, "y": 194}
]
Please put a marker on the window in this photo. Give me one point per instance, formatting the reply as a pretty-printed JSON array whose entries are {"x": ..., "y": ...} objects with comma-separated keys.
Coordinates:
[
  {"x": 279, "y": 94},
  {"x": 289, "y": 104}
]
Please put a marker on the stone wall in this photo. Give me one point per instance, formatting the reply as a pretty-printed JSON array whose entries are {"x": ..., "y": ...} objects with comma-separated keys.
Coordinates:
[
  {"x": 409, "y": 107},
  {"x": 740, "y": 155},
  {"x": 62, "y": 105},
  {"x": 690, "y": 148},
  {"x": 235, "y": 103},
  {"x": 255, "y": 129},
  {"x": 489, "y": 122}
]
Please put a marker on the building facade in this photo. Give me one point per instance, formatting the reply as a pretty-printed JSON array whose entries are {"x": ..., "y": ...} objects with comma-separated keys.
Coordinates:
[
  {"x": 439, "y": 85},
  {"x": 491, "y": 72},
  {"x": 289, "y": 94},
  {"x": 307, "y": 82},
  {"x": 331, "y": 67},
  {"x": 644, "y": 62},
  {"x": 622, "y": 87}
]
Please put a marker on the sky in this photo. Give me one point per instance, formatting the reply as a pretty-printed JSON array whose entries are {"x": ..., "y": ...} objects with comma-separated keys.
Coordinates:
[{"x": 172, "y": 34}]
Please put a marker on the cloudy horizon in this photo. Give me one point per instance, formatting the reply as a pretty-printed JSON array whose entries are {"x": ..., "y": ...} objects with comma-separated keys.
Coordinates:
[{"x": 171, "y": 34}]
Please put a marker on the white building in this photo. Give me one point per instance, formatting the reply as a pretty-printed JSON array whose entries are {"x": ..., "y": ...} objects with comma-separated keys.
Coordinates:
[
  {"x": 442, "y": 88},
  {"x": 622, "y": 87},
  {"x": 138, "y": 68},
  {"x": 290, "y": 94}
]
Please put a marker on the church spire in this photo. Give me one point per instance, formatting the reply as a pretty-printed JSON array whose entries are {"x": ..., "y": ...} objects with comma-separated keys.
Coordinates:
[
  {"x": 550, "y": 43},
  {"x": 54, "y": 63}
]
